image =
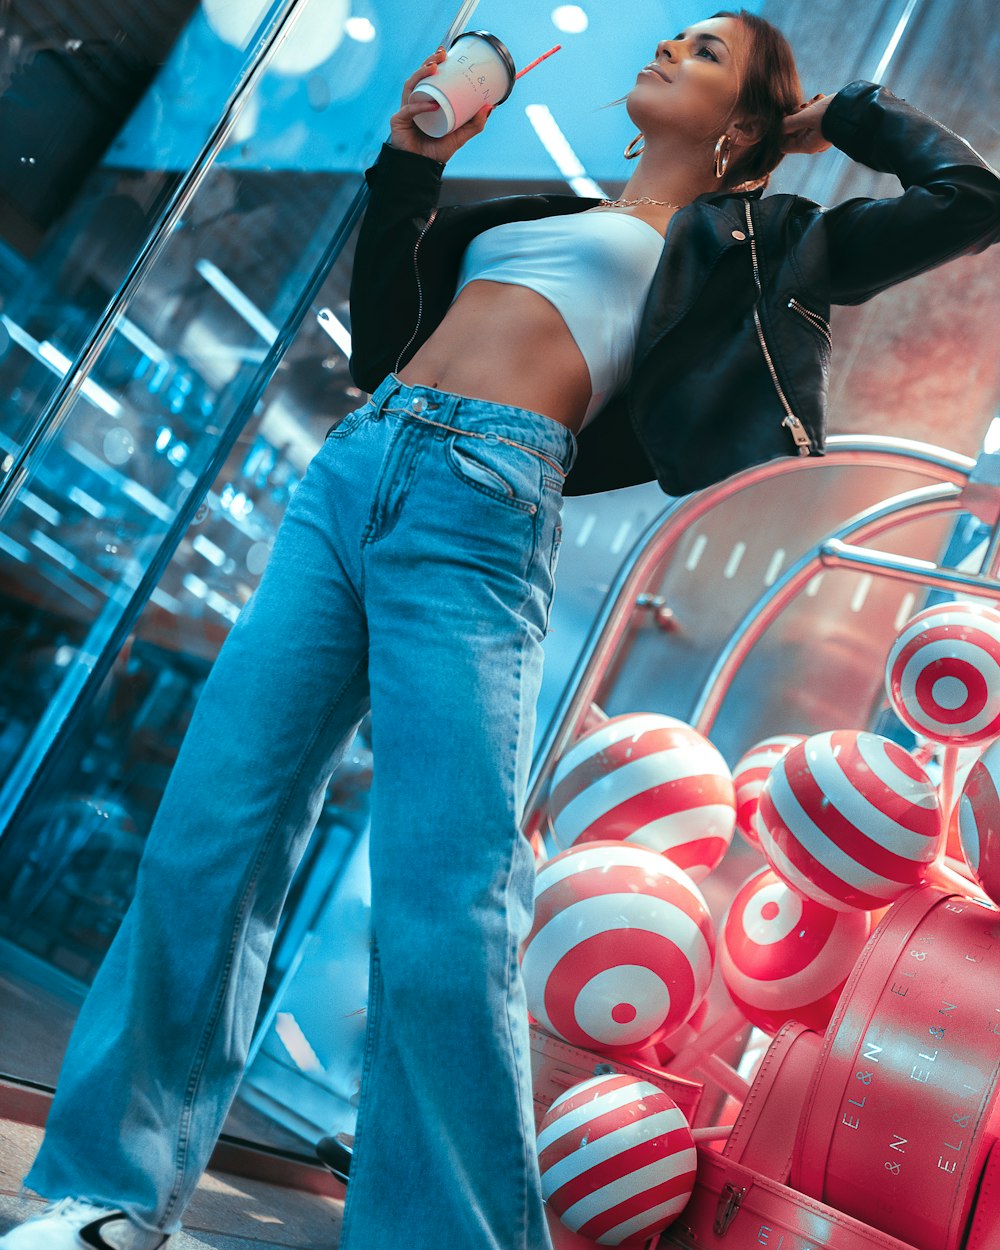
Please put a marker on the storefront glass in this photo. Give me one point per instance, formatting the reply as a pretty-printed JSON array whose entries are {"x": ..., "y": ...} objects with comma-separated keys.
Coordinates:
[{"x": 156, "y": 416}]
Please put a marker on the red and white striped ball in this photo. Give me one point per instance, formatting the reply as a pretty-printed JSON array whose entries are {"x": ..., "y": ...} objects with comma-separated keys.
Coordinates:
[
  {"x": 621, "y": 949},
  {"x": 943, "y": 673},
  {"x": 785, "y": 957},
  {"x": 648, "y": 779},
  {"x": 617, "y": 1159},
  {"x": 849, "y": 819},
  {"x": 750, "y": 774},
  {"x": 979, "y": 820}
]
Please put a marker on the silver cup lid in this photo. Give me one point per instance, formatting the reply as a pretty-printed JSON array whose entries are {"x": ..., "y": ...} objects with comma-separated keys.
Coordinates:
[{"x": 501, "y": 48}]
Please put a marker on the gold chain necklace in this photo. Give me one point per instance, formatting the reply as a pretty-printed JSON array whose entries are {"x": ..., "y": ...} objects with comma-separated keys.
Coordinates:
[{"x": 643, "y": 199}]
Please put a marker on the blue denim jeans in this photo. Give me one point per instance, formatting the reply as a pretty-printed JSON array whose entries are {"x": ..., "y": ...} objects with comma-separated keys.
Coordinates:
[{"x": 412, "y": 574}]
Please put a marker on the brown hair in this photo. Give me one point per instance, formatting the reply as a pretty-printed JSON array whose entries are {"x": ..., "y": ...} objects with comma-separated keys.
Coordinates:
[{"x": 769, "y": 91}]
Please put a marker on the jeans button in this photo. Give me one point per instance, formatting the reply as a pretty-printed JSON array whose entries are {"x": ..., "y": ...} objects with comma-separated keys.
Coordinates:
[{"x": 418, "y": 404}]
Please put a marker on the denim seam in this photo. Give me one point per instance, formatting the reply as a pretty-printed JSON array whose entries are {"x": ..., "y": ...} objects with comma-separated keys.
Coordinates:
[
  {"x": 347, "y": 425},
  {"x": 512, "y": 955},
  {"x": 374, "y": 1024},
  {"x": 194, "y": 1080},
  {"x": 411, "y": 469},
  {"x": 373, "y": 530},
  {"x": 528, "y": 1163},
  {"x": 553, "y": 552}
]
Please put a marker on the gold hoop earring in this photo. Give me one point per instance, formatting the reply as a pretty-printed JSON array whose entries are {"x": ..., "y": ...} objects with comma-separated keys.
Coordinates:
[
  {"x": 723, "y": 151},
  {"x": 633, "y": 150}
]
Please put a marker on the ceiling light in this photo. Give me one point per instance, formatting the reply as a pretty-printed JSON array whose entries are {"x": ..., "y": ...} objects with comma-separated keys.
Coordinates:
[
  {"x": 360, "y": 28},
  {"x": 570, "y": 18},
  {"x": 558, "y": 147},
  {"x": 313, "y": 37}
]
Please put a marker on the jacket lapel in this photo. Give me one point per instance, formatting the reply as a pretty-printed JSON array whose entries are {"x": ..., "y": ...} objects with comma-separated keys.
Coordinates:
[{"x": 698, "y": 237}]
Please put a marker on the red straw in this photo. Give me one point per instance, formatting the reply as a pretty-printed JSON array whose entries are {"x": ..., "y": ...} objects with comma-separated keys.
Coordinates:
[{"x": 544, "y": 57}]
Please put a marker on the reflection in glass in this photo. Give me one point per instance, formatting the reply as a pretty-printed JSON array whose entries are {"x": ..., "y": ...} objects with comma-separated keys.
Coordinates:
[{"x": 147, "y": 502}]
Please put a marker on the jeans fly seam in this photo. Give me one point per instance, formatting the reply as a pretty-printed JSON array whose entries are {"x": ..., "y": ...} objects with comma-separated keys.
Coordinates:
[
  {"x": 373, "y": 529},
  {"x": 194, "y": 1080}
]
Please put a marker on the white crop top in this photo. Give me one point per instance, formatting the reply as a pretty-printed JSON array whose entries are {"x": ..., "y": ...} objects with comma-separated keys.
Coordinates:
[{"x": 594, "y": 267}]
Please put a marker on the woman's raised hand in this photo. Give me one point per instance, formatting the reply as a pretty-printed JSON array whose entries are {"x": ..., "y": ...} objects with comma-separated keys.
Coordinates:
[
  {"x": 406, "y": 134},
  {"x": 801, "y": 129}
]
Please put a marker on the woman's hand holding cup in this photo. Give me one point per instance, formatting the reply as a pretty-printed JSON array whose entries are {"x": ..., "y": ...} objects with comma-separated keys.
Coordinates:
[{"x": 408, "y": 136}]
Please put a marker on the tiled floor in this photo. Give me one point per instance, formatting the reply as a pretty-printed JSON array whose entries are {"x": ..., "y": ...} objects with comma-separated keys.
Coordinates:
[{"x": 227, "y": 1212}]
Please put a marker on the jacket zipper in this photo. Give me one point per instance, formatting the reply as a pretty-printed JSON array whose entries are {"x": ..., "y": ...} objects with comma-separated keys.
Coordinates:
[
  {"x": 420, "y": 290},
  {"x": 791, "y": 421},
  {"x": 814, "y": 318}
]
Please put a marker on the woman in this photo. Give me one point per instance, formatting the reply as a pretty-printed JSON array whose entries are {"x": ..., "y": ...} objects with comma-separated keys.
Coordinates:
[{"x": 413, "y": 574}]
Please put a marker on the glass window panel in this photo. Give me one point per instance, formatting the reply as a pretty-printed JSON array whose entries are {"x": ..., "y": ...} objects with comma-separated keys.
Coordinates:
[
  {"x": 148, "y": 510},
  {"x": 84, "y": 174}
]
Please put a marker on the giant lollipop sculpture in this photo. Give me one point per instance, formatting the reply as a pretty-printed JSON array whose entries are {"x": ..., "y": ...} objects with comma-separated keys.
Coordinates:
[
  {"x": 943, "y": 674},
  {"x": 617, "y": 1159},
  {"x": 646, "y": 779},
  {"x": 943, "y": 680},
  {"x": 785, "y": 957},
  {"x": 750, "y": 774},
  {"x": 850, "y": 819},
  {"x": 979, "y": 821},
  {"x": 621, "y": 949}
]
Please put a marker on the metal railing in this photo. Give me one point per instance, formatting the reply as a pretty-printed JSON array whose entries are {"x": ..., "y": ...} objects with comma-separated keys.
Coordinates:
[{"x": 950, "y": 472}]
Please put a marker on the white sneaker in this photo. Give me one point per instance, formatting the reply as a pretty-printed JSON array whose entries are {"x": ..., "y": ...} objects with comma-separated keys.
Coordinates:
[{"x": 76, "y": 1224}]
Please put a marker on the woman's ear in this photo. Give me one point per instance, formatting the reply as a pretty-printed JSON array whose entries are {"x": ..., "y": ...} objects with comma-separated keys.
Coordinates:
[{"x": 747, "y": 133}]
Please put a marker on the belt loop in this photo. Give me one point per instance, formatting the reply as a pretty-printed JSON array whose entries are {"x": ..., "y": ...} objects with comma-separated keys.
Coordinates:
[{"x": 379, "y": 405}]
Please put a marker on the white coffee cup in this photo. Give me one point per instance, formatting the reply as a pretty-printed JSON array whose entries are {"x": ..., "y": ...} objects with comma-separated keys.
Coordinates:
[{"x": 478, "y": 70}]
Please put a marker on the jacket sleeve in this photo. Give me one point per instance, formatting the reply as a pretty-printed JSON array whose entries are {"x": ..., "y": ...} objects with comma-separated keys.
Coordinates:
[
  {"x": 383, "y": 297},
  {"x": 950, "y": 204}
]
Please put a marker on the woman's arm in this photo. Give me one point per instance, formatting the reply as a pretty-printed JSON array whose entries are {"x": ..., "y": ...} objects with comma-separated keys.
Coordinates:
[
  {"x": 405, "y": 184},
  {"x": 950, "y": 205},
  {"x": 384, "y": 300}
]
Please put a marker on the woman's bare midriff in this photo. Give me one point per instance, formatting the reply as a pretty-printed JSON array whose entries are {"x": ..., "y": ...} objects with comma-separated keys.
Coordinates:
[{"x": 509, "y": 345}]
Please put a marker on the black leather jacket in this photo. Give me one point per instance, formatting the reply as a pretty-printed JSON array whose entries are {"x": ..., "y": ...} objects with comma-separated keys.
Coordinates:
[{"x": 733, "y": 351}]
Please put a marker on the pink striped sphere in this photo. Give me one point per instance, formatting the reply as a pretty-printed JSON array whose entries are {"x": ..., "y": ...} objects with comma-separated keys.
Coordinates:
[
  {"x": 647, "y": 779},
  {"x": 785, "y": 957},
  {"x": 617, "y": 1159},
  {"x": 943, "y": 673},
  {"x": 979, "y": 820},
  {"x": 750, "y": 774},
  {"x": 849, "y": 819},
  {"x": 621, "y": 949}
]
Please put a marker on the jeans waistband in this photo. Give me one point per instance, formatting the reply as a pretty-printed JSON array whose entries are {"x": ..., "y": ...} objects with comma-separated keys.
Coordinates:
[{"x": 443, "y": 411}]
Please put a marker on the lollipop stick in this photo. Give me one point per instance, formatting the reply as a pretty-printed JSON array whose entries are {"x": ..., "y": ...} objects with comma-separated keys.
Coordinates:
[
  {"x": 592, "y": 719},
  {"x": 959, "y": 866},
  {"x": 945, "y": 878},
  {"x": 946, "y": 790},
  {"x": 724, "y": 1076},
  {"x": 708, "y": 1041},
  {"x": 718, "y": 1132}
]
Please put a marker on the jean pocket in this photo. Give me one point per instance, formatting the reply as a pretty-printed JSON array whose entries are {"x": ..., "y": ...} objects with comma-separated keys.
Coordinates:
[
  {"x": 349, "y": 423},
  {"x": 508, "y": 474}
]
